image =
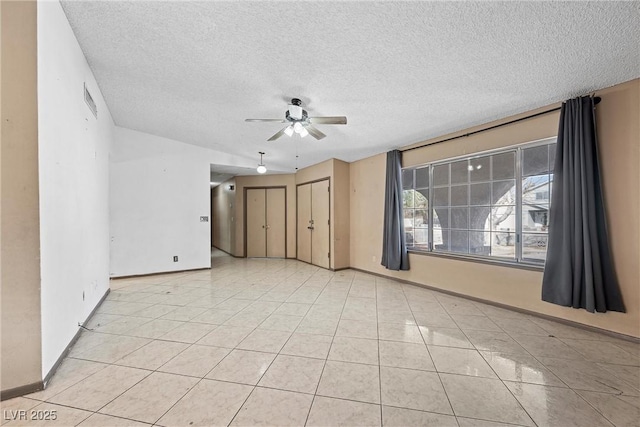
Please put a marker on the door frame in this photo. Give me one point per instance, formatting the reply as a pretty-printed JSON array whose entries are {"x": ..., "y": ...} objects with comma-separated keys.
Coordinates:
[
  {"x": 244, "y": 224},
  {"x": 326, "y": 178}
]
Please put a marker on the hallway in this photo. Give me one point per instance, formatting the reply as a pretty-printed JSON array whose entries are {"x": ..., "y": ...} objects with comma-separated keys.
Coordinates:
[{"x": 280, "y": 342}]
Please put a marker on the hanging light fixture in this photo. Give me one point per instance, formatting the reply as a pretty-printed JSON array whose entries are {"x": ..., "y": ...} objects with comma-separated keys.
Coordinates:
[
  {"x": 261, "y": 167},
  {"x": 289, "y": 131}
]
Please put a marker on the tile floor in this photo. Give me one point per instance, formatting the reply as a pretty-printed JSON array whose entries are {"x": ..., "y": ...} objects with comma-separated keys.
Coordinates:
[{"x": 275, "y": 342}]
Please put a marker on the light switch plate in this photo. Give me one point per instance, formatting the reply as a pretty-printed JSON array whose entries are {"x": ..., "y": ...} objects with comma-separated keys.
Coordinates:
[{"x": 204, "y": 219}]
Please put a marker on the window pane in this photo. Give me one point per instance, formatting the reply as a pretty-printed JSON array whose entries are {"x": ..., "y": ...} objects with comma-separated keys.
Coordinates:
[
  {"x": 440, "y": 239},
  {"x": 441, "y": 175},
  {"x": 535, "y": 218},
  {"x": 535, "y": 161},
  {"x": 420, "y": 198},
  {"x": 479, "y": 243},
  {"x": 504, "y": 192},
  {"x": 535, "y": 189},
  {"x": 407, "y": 179},
  {"x": 534, "y": 246},
  {"x": 460, "y": 172},
  {"x": 552, "y": 156},
  {"x": 480, "y": 169},
  {"x": 480, "y": 194},
  {"x": 421, "y": 237},
  {"x": 504, "y": 165},
  {"x": 503, "y": 244},
  {"x": 459, "y": 195},
  {"x": 408, "y": 219},
  {"x": 420, "y": 218},
  {"x": 407, "y": 198},
  {"x": 422, "y": 177},
  {"x": 459, "y": 241},
  {"x": 479, "y": 218},
  {"x": 460, "y": 218},
  {"x": 503, "y": 218},
  {"x": 408, "y": 236},
  {"x": 441, "y": 196},
  {"x": 441, "y": 217}
]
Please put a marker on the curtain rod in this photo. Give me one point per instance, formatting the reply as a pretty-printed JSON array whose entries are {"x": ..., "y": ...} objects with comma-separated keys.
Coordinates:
[{"x": 596, "y": 100}]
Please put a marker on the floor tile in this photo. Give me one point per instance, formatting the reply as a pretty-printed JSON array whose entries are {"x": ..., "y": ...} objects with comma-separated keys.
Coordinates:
[
  {"x": 293, "y": 373},
  {"x": 148, "y": 400},
  {"x": 435, "y": 320},
  {"x": 445, "y": 337},
  {"x": 357, "y": 350},
  {"x": 399, "y": 332},
  {"x": 99, "y": 389},
  {"x": 494, "y": 341},
  {"x": 584, "y": 375},
  {"x": 402, "y": 417},
  {"x": 240, "y": 366},
  {"x": 293, "y": 309},
  {"x": 408, "y": 388},
  {"x": 326, "y": 411},
  {"x": 481, "y": 323},
  {"x": 546, "y": 346},
  {"x": 188, "y": 333},
  {"x": 264, "y": 340},
  {"x": 268, "y": 407},
  {"x": 520, "y": 326},
  {"x": 184, "y": 314},
  {"x": 306, "y": 345},
  {"x": 483, "y": 398},
  {"x": 554, "y": 406},
  {"x": 350, "y": 381},
  {"x": 209, "y": 403},
  {"x": 156, "y": 311},
  {"x": 472, "y": 422},
  {"x": 70, "y": 372},
  {"x": 101, "y": 420},
  {"x": 47, "y": 414},
  {"x": 154, "y": 329},
  {"x": 122, "y": 325},
  {"x": 317, "y": 327},
  {"x": 152, "y": 355},
  {"x": 520, "y": 367},
  {"x": 405, "y": 355},
  {"x": 281, "y": 322},
  {"x": 114, "y": 349},
  {"x": 196, "y": 361},
  {"x": 214, "y": 316},
  {"x": 596, "y": 351},
  {"x": 225, "y": 336},
  {"x": 357, "y": 329},
  {"x": 616, "y": 410},
  {"x": 460, "y": 361}
]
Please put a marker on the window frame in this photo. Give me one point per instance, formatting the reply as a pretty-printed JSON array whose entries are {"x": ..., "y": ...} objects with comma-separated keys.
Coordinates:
[{"x": 518, "y": 261}]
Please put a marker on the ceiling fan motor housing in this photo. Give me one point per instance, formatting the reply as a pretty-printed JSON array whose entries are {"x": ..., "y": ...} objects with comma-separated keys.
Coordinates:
[
  {"x": 295, "y": 109},
  {"x": 301, "y": 117}
]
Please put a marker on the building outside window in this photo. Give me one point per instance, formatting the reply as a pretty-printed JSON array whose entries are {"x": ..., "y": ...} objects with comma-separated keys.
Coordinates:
[{"x": 492, "y": 205}]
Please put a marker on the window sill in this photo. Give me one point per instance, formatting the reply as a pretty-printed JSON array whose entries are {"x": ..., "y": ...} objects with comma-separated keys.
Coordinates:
[{"x": 471, "y": 258}]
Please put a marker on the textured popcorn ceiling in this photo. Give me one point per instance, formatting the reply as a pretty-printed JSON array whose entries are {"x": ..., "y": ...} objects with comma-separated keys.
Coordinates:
[{"x": 401, "y": 72}]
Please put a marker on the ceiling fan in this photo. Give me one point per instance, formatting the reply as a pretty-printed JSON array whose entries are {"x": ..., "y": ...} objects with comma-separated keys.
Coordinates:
[{"x": 299, "y": 122}]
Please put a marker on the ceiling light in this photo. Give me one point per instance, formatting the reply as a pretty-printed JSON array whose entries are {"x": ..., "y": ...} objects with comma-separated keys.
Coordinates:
[
  {"x": 297, "y": 127},
  {"x": 289, "y": 131},
  {"x": 261, "y": 167},
  {"x": 303, "y": 132}
]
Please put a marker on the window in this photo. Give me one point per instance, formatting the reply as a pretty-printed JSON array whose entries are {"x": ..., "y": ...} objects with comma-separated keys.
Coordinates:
[{"x": 492, "y": 205}]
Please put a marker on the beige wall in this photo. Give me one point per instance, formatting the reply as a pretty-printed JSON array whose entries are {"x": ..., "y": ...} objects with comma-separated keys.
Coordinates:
[
  {"x": 338, "y": 173},
  {"x": 223, "y": 201},
  {"x": 20, "y": 248},
  {"x": 289, "y": 182},
  {"x": 619, "y": 132}
]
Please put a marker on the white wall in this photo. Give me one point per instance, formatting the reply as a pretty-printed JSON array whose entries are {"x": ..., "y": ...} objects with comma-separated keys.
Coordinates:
[
  {"x": 159, "y": 190},
  {"x": 74, "y": 184}
]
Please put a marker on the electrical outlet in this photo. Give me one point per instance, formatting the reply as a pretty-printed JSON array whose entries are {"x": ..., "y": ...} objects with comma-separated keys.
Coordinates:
[
  {"x": 175, "y": 258},
  {"x": 204, "y": 219}
]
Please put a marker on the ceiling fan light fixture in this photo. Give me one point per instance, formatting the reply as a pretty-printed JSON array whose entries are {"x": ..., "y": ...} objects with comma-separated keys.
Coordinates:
[
  {"x": 289, "y": 131},
  {"x": 303, "y": 132},
  {"x": 261, "y": 167},
  {"x": 297, "y": 126}
]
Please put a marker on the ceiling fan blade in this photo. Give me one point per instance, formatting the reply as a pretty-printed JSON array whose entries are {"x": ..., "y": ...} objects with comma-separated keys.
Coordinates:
[
  {"x": 314, "y": 132},
  {"x": 337, "y": 120},
  {"x": 278, "y": 135},
  {"x": 265, "y": 120}
]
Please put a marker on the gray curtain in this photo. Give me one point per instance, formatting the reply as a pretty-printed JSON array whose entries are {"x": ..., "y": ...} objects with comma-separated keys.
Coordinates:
[
  {"x": 394, "y": 249},
  {"x": 579, "y": 270}
]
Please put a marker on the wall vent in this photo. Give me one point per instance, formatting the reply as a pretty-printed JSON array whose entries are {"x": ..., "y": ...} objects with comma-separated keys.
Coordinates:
[{"x": 90, "y": 102}]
